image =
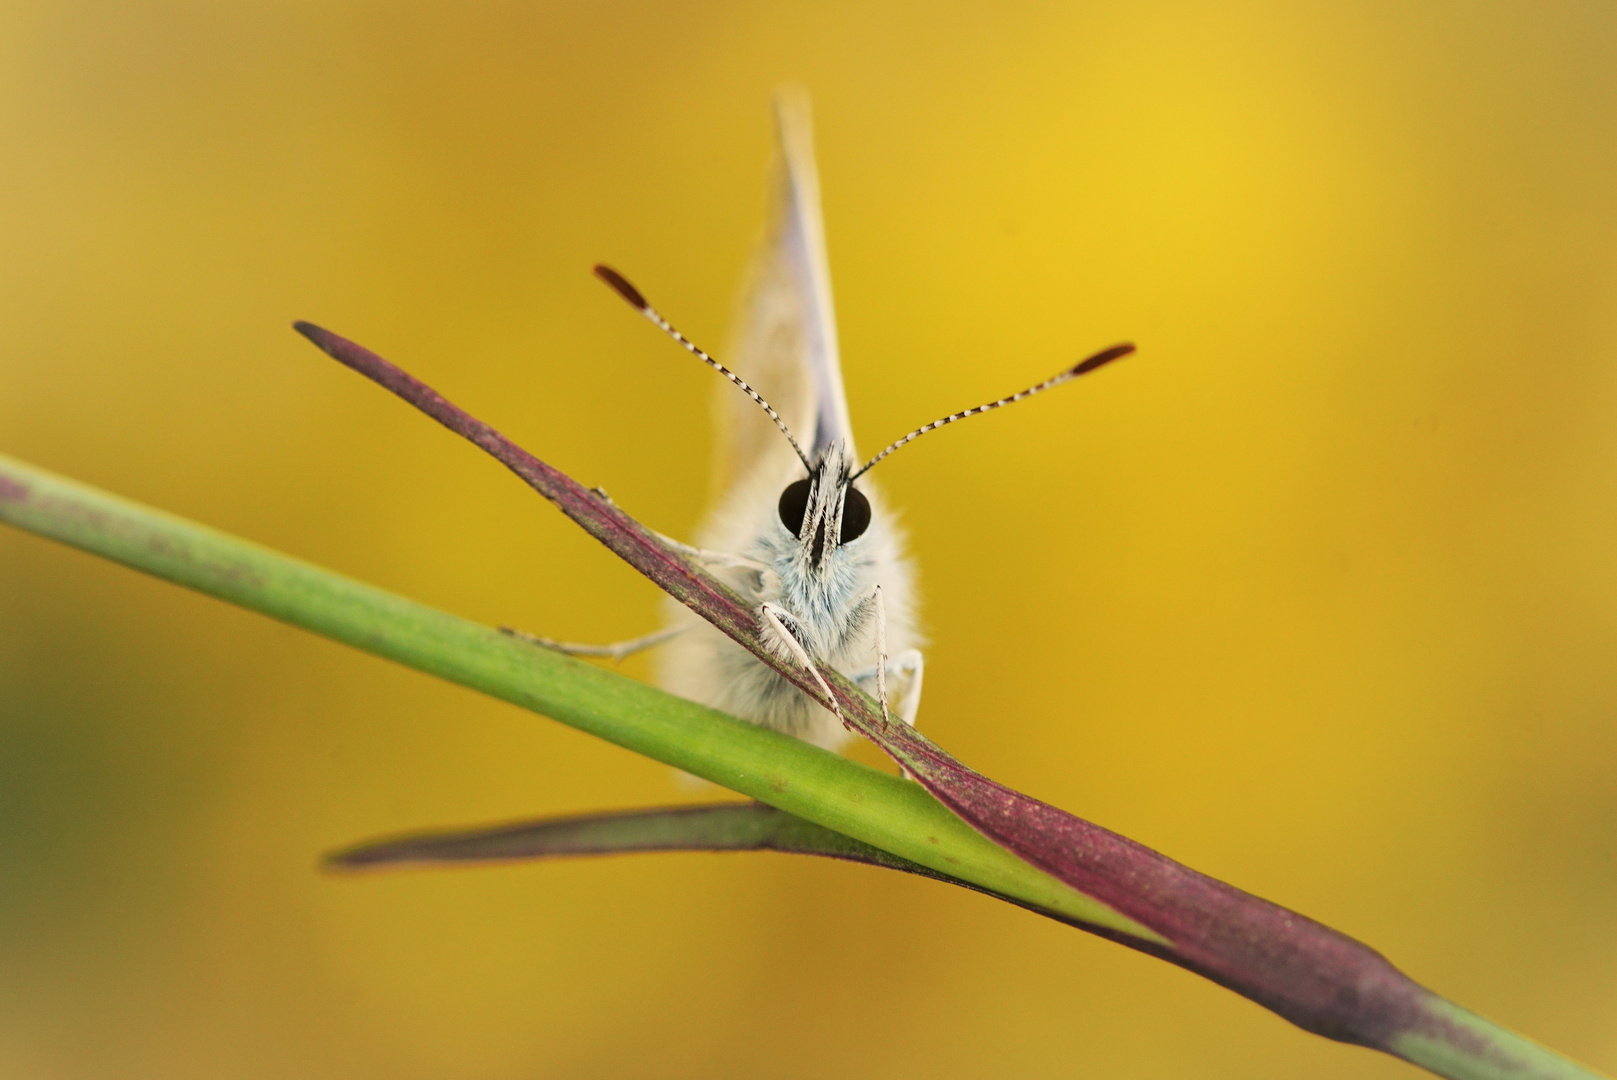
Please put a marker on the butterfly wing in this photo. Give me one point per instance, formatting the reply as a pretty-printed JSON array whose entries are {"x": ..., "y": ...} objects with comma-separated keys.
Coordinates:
[
  {"x": 785, "y": 346},
  {"x": 785, "y": 339}
]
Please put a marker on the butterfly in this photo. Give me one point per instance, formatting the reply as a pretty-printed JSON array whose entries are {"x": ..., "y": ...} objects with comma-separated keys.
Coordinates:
[{"x": 799, "y": 530}]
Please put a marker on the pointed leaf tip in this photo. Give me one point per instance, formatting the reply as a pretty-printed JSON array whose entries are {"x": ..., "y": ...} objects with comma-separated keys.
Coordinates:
[
  {"x": 316, "y": 334},
  {"x": 621, "y": 286}
]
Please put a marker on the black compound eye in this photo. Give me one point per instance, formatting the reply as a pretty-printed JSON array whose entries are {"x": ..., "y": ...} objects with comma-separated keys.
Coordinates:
[
  {"x": 855, "y": 516},
  {"x": 793, "y": 505}
]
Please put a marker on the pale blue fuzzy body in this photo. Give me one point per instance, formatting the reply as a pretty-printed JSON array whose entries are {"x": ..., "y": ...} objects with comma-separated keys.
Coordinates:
[{"x": 826, "y": 605}]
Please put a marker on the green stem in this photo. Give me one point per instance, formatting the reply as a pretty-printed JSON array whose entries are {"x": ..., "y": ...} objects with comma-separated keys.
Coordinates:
[
  {"x": 845, "y": 796},
  {"x": 883, "y": 811}
]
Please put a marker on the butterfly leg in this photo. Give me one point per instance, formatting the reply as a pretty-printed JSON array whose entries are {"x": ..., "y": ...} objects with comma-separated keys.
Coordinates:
[
  {"x": 768, "y": 579},
  {"x": 772, "y": 619},
  {"x": 906, "y": 668},
  {"x": 615, "y": 651},
  {"x": 909, "y": 669},
  {"x": 714, "y": 558},
  {"x": 902, "y": 673},
  {"x": 881, "y": 655}
]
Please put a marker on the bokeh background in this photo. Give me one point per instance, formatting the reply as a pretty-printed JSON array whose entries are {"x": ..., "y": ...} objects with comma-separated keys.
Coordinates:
[{"x": 1318, "y": 594}]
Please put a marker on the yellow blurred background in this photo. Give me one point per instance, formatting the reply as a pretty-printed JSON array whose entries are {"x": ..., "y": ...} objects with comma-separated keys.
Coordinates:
[{"x": 1318, "y": 594}]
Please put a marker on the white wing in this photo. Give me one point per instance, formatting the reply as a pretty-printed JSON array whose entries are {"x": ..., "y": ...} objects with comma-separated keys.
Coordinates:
[
  {"x": 785, "y": 340},
  {"x": 785, "y": 345}
]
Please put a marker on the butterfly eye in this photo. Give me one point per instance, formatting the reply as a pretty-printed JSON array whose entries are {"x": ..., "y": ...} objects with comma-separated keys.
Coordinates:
[
  {"x": 855, "y": 516},
  {"x": 793, "y": 505}
]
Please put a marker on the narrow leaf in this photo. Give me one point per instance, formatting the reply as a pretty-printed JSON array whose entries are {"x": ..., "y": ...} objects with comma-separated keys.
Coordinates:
[
  {"x": 1319, "y": 979},
  {"x": 715, "y": 827},
  {"x": 720, "y": 827}
]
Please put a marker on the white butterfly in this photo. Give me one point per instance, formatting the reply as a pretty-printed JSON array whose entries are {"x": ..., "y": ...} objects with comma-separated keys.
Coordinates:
[{"x": 820, "y": 557}]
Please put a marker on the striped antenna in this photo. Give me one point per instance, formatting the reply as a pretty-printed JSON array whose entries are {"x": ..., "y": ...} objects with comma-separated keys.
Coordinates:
[
  {"x": 621, "y": 286},
  {"x": 1105, "y": 356}
]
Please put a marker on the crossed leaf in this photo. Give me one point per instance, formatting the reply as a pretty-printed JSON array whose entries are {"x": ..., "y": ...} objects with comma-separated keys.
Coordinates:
[{"x": 952, "y": 823}]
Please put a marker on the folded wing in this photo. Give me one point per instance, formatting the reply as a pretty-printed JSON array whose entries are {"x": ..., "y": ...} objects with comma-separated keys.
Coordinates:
[{"x": 785, "y": 341}]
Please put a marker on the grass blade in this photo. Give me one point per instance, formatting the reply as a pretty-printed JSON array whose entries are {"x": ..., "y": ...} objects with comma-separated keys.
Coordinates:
[
  {"x": 1014, "y": 846},
  {"x": 716, "y": 827}
]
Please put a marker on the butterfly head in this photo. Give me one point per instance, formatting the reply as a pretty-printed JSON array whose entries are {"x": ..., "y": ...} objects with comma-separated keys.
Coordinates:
[{"x": 824, "y": 511}]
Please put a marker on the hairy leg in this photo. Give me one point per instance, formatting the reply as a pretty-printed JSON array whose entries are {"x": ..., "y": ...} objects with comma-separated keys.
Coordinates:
[{"x": 615, "y": 651}]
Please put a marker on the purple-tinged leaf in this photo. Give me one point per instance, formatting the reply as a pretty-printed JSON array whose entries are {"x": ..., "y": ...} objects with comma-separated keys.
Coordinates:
[
  {"x": 749, "y": 826},
  {"x": 1317, "y": 978},
  {"x": 731, "y": 826}
]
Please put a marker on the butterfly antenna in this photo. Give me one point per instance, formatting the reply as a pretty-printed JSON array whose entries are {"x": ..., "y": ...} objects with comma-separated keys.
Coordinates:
[
  {"x": 1106, "y": 356},
  {"x": 621, "y": 286}
]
